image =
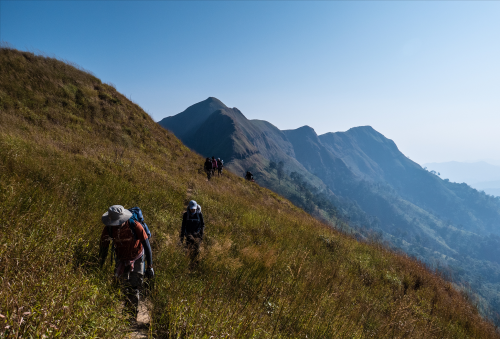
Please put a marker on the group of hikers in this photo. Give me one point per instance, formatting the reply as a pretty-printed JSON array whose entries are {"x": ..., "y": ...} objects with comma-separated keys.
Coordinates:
[
  {"x": 129, "y": 235},
  {"x": 213, "y": 164},
  {"x": 217, "y": 164}
]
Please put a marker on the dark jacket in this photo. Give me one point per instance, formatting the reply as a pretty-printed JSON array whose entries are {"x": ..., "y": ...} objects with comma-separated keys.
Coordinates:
[
  {"x": 208, "y": 165},
  {"x": 192, "y": 225}
]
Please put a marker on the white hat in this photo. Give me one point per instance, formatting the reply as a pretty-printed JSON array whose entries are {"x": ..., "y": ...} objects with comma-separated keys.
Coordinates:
[
  {"x": 116, "y": 215},
  {"x": 193, "y": 205}
]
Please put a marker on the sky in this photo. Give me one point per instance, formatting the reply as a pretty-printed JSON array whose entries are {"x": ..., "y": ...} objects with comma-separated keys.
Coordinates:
[{"x": 425, "y": 74}]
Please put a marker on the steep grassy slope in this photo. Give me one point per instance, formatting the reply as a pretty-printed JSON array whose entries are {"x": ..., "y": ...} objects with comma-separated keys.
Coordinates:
[
  {"x": 449, "y": 225},
  {"x": 70, "y": 146}
]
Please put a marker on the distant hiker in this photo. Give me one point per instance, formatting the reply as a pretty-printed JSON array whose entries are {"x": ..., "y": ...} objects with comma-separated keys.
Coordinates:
[
  {"x": 214, "y": 165},
  {"x": 249, "y": 176},
  {"x": 220, "y": 165},
  {"x": 192, "y": 229},
  {"x": 208, "y": 168},
  {"x": 130, "y": 244}
]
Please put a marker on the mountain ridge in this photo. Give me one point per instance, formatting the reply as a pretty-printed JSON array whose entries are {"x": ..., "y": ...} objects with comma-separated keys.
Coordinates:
[
  {"x": 197, "y": 114},
  {"x": 375, "y": 186}
]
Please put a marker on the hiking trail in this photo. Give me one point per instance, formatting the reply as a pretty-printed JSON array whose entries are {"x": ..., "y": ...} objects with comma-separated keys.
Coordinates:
[
  {"x": 189, "y": 192},
  {"x": 140, "y": 330}
]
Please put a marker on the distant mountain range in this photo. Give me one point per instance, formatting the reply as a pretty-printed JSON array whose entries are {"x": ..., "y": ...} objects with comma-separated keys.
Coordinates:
[
  {"x": 480, "y": 175},
  {"x": 367, "y": 180}
]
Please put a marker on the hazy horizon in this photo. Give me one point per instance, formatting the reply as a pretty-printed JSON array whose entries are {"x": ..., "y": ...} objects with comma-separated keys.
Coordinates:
[
  {"x": 481, "y": 175},
  {"x": 424, "y": 74}
]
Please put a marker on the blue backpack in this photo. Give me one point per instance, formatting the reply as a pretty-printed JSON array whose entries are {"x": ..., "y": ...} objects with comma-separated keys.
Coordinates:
[{"x": 137, "y": 216}]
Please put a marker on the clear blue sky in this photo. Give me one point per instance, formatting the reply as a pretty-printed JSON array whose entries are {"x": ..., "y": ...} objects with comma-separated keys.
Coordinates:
[{"x": 425, "y": 74}]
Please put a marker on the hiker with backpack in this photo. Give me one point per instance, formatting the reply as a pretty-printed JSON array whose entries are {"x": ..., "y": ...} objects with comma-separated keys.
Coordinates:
[
  {"x": 249, "y": 176},
  {"x": 131, "y": 246},
  {"x": 208, "y": 168},
  {"x": 220, "y": 165},
  {"x": 192, "y": 230},
  {"x": 214, "y": 165}
]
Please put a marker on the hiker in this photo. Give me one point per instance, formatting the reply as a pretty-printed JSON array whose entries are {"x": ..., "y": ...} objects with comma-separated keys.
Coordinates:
[
  {"x": 214, "y": 165},
  {"x": 208, "y": 168},
  {"x": 130, "y": 244},
  {"x": 220, "y": 165},
  {"x": 192, "y": 229},
  {"x": 249, "y": 176}
]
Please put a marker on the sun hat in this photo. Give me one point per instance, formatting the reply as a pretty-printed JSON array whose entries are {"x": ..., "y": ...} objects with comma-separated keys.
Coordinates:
[
  {"x": 116, "y": 215},
  {"x": 193, "y": 205}
]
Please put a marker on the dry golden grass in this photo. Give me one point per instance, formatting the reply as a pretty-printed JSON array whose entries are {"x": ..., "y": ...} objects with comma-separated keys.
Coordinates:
[{"x": 71, "y": 146}]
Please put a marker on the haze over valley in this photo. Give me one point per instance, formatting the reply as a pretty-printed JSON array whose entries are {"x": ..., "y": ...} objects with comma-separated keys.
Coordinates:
[{"x": 480, "y": 175}]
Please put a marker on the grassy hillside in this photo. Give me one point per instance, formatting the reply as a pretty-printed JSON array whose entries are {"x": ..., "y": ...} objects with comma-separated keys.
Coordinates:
[{"x": 70, "y": 146}]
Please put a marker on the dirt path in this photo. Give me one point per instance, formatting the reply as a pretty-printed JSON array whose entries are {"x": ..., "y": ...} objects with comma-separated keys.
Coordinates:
[
  {"x": 189, "y": 192},
  {"x": 141, "y": 330}
]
